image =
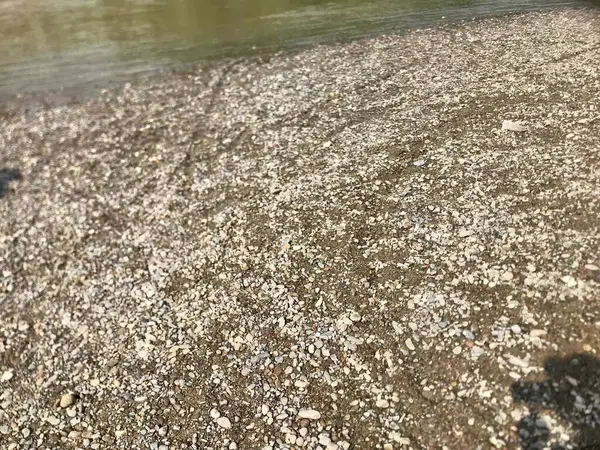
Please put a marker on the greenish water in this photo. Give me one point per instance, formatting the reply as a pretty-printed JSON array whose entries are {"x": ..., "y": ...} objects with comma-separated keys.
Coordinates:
[{"x": 73, "y": 43}]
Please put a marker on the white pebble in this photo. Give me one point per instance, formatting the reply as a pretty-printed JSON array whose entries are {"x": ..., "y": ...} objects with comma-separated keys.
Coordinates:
[
  {"x": 310, "y": 414},
  {"x": 7, "y": 376},
  {"x": 382, "y": 403},
  {"x": 224, "y": 422},
  {"x": 507, "y": 276}
]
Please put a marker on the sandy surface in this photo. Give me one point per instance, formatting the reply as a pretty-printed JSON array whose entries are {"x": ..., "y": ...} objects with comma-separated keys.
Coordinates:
[{"x": 337, "y": 249}]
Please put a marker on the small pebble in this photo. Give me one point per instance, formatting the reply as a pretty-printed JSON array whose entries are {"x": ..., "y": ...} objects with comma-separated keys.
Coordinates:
[
  {"x": 309, "y": 414},
  {"x": 382, "y": 403},
  {"x": 224, "y": 422},
  {"x": 67, "y": 400}
]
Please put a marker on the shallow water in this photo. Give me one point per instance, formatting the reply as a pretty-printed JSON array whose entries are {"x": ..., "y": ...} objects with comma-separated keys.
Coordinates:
[{"x": 73, "y": 43}]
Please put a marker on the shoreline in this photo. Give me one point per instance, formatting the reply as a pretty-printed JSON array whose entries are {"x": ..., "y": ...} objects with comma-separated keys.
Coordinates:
[
  {"x": 18, "y": 102},
  {"x": 333, "y": 249}
]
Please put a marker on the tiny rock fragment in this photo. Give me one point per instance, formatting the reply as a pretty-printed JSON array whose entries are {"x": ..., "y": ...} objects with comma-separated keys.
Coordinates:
[
  {"x": 214, "y": 413},
  {"x": 74, "y": 434},
  {"x": 53, "y": 420},
  {"x": 517, "y": 361},
  {"x": 409, "y": 344},
  {"x": 476, "y": 352},
  {"x": 592, "y": 267},
  {"x": 7, "y": 376},
  {"x": 309, "y": 414},
  {"x": 509, "y": 125},
  {"x": 496, "y": 442},
  {"x": 538, "y": 333},
  {"x": 67, "y": 400},
  {"x": 301, "y": 384},
  {"x": 388, "y": 446},
  {"x": 382, "y": 403},
  {"x": 569, "y": 281},
  {"x": 507, "y": 276},
  {"x": 419, "y": 163},
  {"x": 224, "y": 422},
  {"x": 464, "y": 233},
  {"x": 468, "y": 335}
]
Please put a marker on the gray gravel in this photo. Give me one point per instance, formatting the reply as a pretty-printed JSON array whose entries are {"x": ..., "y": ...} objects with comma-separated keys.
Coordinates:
[{"x": 359, "y": 246}]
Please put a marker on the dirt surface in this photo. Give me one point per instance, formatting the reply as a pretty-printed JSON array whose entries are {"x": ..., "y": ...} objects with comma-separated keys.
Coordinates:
[{"x": 387, "y": 244}]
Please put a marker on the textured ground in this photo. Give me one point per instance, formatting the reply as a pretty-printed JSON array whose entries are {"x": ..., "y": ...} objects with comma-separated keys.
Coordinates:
[{"x": 337, "y": 249}]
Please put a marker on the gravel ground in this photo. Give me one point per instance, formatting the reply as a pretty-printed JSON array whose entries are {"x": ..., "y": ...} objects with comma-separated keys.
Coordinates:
[{"x": 387, "y": 244}]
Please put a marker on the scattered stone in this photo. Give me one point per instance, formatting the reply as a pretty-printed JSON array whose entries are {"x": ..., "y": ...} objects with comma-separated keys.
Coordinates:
[
  {"x": 7, "y": 375},
  {"x": 67, "y": 400},
  {"x": 468, "y": 335},
  {"x": 427, "y": 393},
  {"x": 507, "y": 276},
  {"x": 464, "y": 233},
  {"x": 224, "y": 422},
  {"x": 509, "y": 125},
  {"x": 569, "y": 281},
  {"x": 476, "y": 352},
  {"x": 538, "y": 333},
  {"x": 309, "y": 414},
  {"x": 382, "y": 403},
  {"x": 53, "y": 420},
  {"x": 517, "y": 361}
]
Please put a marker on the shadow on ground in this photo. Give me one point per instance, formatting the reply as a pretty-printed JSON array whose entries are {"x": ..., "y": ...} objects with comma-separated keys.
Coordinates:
[
  {"x": 6, "y": 176},
  {"x": 572, "y": 390}
]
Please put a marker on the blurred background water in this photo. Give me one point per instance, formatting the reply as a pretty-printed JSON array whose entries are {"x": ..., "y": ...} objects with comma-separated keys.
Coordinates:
[{"x": 72, "y": 43}]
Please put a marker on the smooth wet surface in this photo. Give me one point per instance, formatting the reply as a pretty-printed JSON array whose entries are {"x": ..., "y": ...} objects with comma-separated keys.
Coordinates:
[{"x": 74, "y": 43}]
